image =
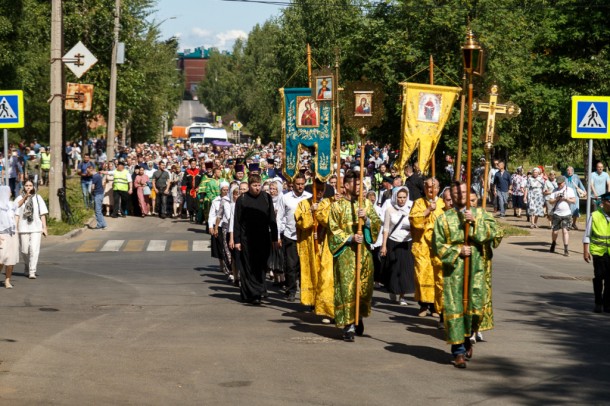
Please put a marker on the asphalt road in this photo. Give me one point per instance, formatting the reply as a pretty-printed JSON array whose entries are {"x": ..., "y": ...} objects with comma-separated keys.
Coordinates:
[
  {"x": 191, "y": 111},
  {"x": 140, "y": 314}
]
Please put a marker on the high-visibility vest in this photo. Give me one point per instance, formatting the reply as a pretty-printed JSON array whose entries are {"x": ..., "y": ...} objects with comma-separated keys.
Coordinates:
[
  {"x": 121, "y": 180},
  {"x": 46, "y": 161},
  {"x": 600, "y": 234}
]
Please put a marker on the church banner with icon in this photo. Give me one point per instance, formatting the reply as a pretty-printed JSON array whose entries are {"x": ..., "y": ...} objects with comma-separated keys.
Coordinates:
[
  {"x": 306, "y": 122},
  {"x": 425, "y": 110}
]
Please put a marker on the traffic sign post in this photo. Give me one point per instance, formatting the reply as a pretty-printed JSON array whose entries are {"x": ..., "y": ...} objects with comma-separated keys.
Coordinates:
[
  {"x": 590, "y": 120},
  {"x": 11, "y": 116}
]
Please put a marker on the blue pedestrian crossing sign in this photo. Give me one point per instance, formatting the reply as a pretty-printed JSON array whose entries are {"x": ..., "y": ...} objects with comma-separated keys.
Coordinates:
[
  {"x": 590, "y": 117},
  {"x": 11, "y": 109}
]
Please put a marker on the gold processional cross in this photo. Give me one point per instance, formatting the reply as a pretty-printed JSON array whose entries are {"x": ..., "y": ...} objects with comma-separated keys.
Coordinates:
[{"x": 492, "y": 108}]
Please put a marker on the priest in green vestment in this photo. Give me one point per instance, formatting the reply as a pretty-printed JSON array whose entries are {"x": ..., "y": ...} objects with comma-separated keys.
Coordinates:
[
  {"x": 450, "y": 247},
  {"x": 343, "y": 243}
]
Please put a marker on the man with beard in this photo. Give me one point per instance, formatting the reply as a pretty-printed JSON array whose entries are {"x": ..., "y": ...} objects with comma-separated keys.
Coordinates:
[
  {"x": 428, "y": 269},
  {"x": 314, "y": 255},
  {"x": 288, "y": 231},
  {"x": 254, "y": 231},
  {"x": 344, "y": 241},
  {"x": 190, "y": 184}
]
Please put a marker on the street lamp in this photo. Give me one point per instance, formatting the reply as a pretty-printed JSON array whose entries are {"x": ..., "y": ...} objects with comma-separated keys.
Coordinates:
[{"x": 473, "y": 65}]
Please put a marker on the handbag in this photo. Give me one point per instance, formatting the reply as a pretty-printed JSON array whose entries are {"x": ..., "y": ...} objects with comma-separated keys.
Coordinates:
[
  {"x": 582, "y": 194},
  {"x": 146, "y": 190}
]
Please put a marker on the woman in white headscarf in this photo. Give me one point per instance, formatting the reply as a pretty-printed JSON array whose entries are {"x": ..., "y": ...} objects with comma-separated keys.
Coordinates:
[
  {"x": 218, "y": 222},
  {"x": 234, "y": 194},
  {"x": 275, "y": 263},
  {"x": 398, "y": 266},
  {"x": 9, "y": 240}
]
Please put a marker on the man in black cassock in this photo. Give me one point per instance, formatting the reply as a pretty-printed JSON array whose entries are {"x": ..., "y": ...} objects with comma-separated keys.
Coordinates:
[{"x": 255, "y": 230}]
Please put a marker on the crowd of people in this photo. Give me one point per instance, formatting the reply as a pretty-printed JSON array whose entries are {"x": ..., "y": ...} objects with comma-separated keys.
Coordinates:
[{"x": 314, "y": 239}]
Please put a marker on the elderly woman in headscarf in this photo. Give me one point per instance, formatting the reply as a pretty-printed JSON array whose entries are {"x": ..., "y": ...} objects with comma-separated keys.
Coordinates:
[
  {"x": 534, "y": 198},
  {"x": 9, "y": 240},
  {"x": 398, "y": 268},
  {"x": 517, "y": 188},
  {"x": 218, "y": 222}
]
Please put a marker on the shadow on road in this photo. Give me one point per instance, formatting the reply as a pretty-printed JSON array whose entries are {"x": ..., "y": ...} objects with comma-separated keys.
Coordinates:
[{"x": 581, "y": 336}]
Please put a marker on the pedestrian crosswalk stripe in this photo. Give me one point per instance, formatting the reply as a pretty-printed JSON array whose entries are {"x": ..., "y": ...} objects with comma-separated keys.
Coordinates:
[
  {"x": 112, "y": 245},
  {"x": 156, "y": 245},
  {"x": 179, "y": 245},
  {"x": 89, "y": 246},
  {"x": 134, "y": 246},
  {"x": 144, "y": 245},
  {"x": 201, "y": 245}
]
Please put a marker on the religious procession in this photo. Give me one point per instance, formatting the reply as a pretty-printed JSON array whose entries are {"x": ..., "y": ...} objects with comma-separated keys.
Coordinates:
[{"x": 336, "y": 224}]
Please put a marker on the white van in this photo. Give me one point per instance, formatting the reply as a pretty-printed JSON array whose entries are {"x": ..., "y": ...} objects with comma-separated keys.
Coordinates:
[{"x": 214, "y": 134}]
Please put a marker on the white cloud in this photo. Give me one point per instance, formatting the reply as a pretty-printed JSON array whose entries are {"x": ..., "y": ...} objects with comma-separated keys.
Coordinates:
[
  {"x": 224, "y": 38},
  {"x": 202, "y": 33},
  {"x": 207, "y": 39}
]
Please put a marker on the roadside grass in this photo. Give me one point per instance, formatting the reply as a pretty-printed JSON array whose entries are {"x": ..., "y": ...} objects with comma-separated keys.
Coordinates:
[
  {"x": 75, "y": 200},
  {"x": 510, "y": 231}
]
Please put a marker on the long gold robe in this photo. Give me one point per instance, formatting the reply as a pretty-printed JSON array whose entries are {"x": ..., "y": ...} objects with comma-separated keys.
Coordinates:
[
  {"x": 343, "y": 224},
  {"x": 316, "y": 263},
  {"x": 428, "y": 267}
]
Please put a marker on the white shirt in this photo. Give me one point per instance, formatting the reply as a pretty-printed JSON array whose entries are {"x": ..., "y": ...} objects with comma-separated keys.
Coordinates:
[
  {"x": 40, "y": 209},
  {"x": 287, "y": 224},
  {"x": 402, "y": 232},
  {"x": 563, "y": 207}
]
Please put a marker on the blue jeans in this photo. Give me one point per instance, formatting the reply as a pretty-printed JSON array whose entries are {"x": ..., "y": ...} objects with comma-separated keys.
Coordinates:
[
  {"x": 457, "y": 349},
  {"x": 99, "y": 217},
  {"x": 85, "y": 187},
  {"x": 502, "y": 202}
]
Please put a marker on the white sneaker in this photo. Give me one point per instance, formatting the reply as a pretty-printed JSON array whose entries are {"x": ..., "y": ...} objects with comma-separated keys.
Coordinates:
[
  {"x": 480, "y": 337},
  {"x": 32, "y": 276},
  {"x": 403, "y": 302},
  {"x": 473, "y": 338}
]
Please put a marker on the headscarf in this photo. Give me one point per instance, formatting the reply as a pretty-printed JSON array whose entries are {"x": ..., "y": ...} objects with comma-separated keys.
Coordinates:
[
  {"x": 406, "y": 208},
  {"x": 7, "y": 211},
  {"x": 280, "y": 190},
  {"x": 232, "y": 190}
]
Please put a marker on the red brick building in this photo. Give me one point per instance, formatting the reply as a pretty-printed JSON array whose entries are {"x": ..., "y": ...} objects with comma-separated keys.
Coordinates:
[{"x": 193, "y": 65}]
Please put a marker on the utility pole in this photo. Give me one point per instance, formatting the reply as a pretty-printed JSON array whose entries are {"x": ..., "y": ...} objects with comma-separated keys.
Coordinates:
[
  {"x": 56, "y": 122},
  {"x": 113, "y": 76}
]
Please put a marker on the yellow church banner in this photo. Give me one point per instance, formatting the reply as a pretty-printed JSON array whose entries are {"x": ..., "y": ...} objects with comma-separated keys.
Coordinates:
[{"x": 425, "y": 110}]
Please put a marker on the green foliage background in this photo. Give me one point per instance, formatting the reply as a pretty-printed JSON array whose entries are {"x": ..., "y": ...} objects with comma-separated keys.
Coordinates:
[
  {"x": 539, "y": 52},
  {"x": 148, "y": 84}
]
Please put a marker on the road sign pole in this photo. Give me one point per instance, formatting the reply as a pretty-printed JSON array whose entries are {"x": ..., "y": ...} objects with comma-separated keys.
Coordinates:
[
  {"x": 56, "y": 118},
  {"x": 5, "y": 157},
  {"x": 590, "y": 168}
]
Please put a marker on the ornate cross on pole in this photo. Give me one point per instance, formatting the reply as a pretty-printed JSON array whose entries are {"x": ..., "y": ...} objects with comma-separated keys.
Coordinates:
[{"x": 492, "y": 108}]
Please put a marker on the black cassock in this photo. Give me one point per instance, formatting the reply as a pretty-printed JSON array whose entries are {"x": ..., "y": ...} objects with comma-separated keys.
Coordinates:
[{"x": 254, "y": 227}]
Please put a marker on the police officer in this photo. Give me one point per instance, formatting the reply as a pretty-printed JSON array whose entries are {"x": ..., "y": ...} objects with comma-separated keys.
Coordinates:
[
  {"x": 122, "y": 187},
  {"x": 596, "y": 245}
]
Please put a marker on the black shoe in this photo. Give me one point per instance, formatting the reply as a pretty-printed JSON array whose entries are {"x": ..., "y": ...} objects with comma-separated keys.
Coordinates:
[
  {"x": 256, "y": 302},
  {"x": 291, "y": 297},
  {"x": 607, "y": 309},
  {"x": 162, "y": 217},
  {"x": 348, "y": 337},
  {"x": 360, "y": 328},
  {"x": 598, "y": 309},
  {"x": 114, "y": 216},
  {"x": 552, "y": 249}
]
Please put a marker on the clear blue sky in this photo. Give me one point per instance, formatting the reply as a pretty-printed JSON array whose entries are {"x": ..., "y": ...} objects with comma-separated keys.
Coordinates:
[{"x": 210, "y": 23}]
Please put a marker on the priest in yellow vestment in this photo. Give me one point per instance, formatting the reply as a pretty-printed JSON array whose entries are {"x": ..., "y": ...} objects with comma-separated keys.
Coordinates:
[
  {"x": 428, "y": 267},
  {"x": 317, "y": 288}
]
